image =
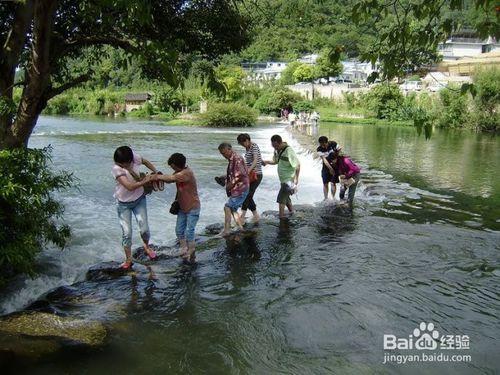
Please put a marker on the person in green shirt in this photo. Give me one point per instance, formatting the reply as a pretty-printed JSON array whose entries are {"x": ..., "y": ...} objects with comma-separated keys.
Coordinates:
[{"x": 288, "y": 172}]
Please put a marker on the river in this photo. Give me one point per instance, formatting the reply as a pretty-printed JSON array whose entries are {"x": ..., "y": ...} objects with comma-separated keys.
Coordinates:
[{"x": 315, "y": 294}]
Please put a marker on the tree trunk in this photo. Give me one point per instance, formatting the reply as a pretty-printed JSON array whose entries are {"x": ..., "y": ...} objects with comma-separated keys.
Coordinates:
[{"x": 34, "y": 98}]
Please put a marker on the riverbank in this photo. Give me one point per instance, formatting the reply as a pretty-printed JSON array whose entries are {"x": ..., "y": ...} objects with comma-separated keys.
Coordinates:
[{"x": 345, "y": 115}]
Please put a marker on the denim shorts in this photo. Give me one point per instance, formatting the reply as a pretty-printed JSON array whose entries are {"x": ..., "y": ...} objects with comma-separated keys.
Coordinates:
[
  {"x": 236, "y": 202},
  {"x": 186, "y": 224}
]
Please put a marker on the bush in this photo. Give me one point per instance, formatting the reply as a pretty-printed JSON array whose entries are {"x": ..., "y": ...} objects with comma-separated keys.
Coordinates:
[
  {"x": 144, "y": 111},
  {"x": 454, "y": 113},
  {"x": 271, "y": 102},
  {"x": 229, "y": 115},
  {"x": 303, "y": 106},
  {"x": 28, "y": 211},
  {"x": 59, "y": 105},
  {"x": 487, "y": 100},
  {"x": 384, "y": 100}
]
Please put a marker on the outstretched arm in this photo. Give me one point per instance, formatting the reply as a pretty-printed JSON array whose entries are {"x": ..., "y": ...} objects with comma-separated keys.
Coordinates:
[
  {"x": 149, "y": 165},
  {"x": 130, "y": 186}
]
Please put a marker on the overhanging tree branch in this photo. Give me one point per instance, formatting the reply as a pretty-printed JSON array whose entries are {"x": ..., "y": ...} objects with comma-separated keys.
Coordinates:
[{"x": 53, "y": 91}]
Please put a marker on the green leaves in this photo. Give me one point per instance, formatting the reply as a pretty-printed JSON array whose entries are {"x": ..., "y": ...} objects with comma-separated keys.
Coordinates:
[
  {"x": 407, "y": 32},
  {"x": 28, "y": 212},
  {"x": 229, "y": 115}
]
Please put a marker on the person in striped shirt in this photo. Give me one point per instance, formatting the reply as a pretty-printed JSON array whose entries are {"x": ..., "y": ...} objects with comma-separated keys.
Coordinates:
[{"x": 253, "y": 160}]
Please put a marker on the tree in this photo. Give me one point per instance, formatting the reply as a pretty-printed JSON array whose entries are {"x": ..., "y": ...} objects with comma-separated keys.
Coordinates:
[
  {"x": 232, "y": 77},
  {"x": 407, "y": 32},
  {"x": 328, "y": 64},
  {"x": 305, "y": 73},
  {"x": 42, "y": 36},
  {"x": 286, "y": 77}
]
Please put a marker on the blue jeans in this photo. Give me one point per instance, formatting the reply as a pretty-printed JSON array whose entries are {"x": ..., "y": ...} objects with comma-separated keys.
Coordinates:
[
  {"x": 186, "y": 223},
  {"x": 125, "y": 210},
  {"x": 236, "y": 202}
]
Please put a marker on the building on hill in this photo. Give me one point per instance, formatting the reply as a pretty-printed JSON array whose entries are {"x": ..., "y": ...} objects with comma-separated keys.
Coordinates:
[
  {"x": 136, "y": 101},
  {"x": 355, "y": 71},
  {"x": 264, "y": 71},
  {"x": 309, "y": 59},
  {"x": 461, "y": 46}
]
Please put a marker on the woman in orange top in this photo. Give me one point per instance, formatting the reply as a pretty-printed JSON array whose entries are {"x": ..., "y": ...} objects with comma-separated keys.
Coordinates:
[{"x": 189, "y": 202}]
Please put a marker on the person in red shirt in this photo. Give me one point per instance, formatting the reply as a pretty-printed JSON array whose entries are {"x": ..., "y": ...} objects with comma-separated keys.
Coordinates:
[
  {"x": 237, "y": 185},
  {"x": 189, "y": 203}
]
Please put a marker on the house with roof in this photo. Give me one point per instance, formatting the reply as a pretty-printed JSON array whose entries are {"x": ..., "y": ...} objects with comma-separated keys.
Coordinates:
[
  {"x": 136, "y": 101},
  {"x": 458, "y": 47},
  {"x": 270, "y": 70}
]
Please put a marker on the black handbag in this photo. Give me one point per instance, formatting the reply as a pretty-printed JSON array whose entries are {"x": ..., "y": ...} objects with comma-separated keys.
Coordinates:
[{"x": 175, "y": 207}]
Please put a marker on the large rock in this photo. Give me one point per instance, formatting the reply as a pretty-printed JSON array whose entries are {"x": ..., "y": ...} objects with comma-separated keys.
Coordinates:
[
  {"x": 162, "y": 253},
  {"x": 33, "y": 336},
  {"x": 40, "y": 324},
  {"x": 112, "y": 270}
]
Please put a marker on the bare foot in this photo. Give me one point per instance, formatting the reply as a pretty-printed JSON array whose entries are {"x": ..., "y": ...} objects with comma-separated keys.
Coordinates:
[
  {"x": 183, "y": 251},
  {"x": 190, "y": 257},
  {"x": 223, "y": 233},
  {"x": 255, "y": 218}
]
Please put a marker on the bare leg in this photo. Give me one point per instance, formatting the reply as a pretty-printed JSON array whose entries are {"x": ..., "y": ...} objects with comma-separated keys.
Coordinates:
[
  {"x": 334, "y": 189},
  {"x": 128, "y": 254},
  {"x": 227, "y": 221},
  {"x": 290, "y": 208},
  {"x": 183, "y": 246},
  {"x": 191, "y": 251},
  {"x": 146, "y": 247},
  {"x": 282, "y": 210},
  {"x": 243, "y": 217},
  {"x": 325, "y": 191},
  {"x": 237, "y": 220},
  {"x": 256, "y": 216}
]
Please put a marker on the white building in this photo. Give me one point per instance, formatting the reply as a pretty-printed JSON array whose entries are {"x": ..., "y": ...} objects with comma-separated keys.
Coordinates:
[
  {"x": 459, "y": 47},
  {"x": 309, "y": 59},
  {"x": 356, "y": 71},
  {"x": 270, "y": 70}
]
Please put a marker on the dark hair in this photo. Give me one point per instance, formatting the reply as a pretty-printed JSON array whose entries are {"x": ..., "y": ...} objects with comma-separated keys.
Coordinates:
[
  {"x": 225, "y": 145},
  {"x": 123, "y": 154},
  {"x": 323, "y": 139},
  {"x": 177, "y": 159},
  {"x": 276, "y": 138},
  {"x": 243, "y": 137}
]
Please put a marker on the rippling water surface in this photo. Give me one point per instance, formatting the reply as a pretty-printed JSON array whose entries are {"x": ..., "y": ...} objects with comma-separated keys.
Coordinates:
[{"x": 315, "y": 294}]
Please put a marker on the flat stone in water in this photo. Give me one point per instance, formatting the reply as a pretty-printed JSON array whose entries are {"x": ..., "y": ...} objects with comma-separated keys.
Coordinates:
[
  {"x": 40, "y": 324},
  {"x": 112, "y": 270}
]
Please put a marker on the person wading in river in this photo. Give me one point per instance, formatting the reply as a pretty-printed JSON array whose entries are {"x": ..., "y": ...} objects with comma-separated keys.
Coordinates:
[
  {"x": 130, "y": 198},
  {"x": 253, "y": 160},
  {"x": 326, "y": 151},
  {"x": 349, "y": 174},
  {"x": 288, "y": 173},
  {"x": 237, "y": 185},
  {"x": 189, "y": 203}
]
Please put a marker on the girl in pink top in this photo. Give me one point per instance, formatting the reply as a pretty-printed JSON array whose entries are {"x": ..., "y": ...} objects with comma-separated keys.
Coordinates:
[{"x": 130, "y": 198}]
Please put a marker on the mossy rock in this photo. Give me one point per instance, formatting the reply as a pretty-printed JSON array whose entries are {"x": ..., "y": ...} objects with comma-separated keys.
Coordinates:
[{"x": 44, "y": 325}]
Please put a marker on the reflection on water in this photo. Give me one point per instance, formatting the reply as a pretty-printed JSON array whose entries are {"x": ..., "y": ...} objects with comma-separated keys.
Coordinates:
[{"x": 312, "y": 294}]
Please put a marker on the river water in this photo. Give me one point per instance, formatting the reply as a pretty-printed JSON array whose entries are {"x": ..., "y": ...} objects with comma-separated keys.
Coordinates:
[{"x": 315, "y": 294}]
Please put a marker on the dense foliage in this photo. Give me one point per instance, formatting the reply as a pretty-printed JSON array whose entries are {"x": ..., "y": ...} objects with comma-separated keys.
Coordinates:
[
  {"x": 487, "y": 100},
  {"x": 229, "y": 115},
  {"x": 273, "y": 100},
  {"x": 384, "y": 100},
  {"x": 28, "y": 212}
]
